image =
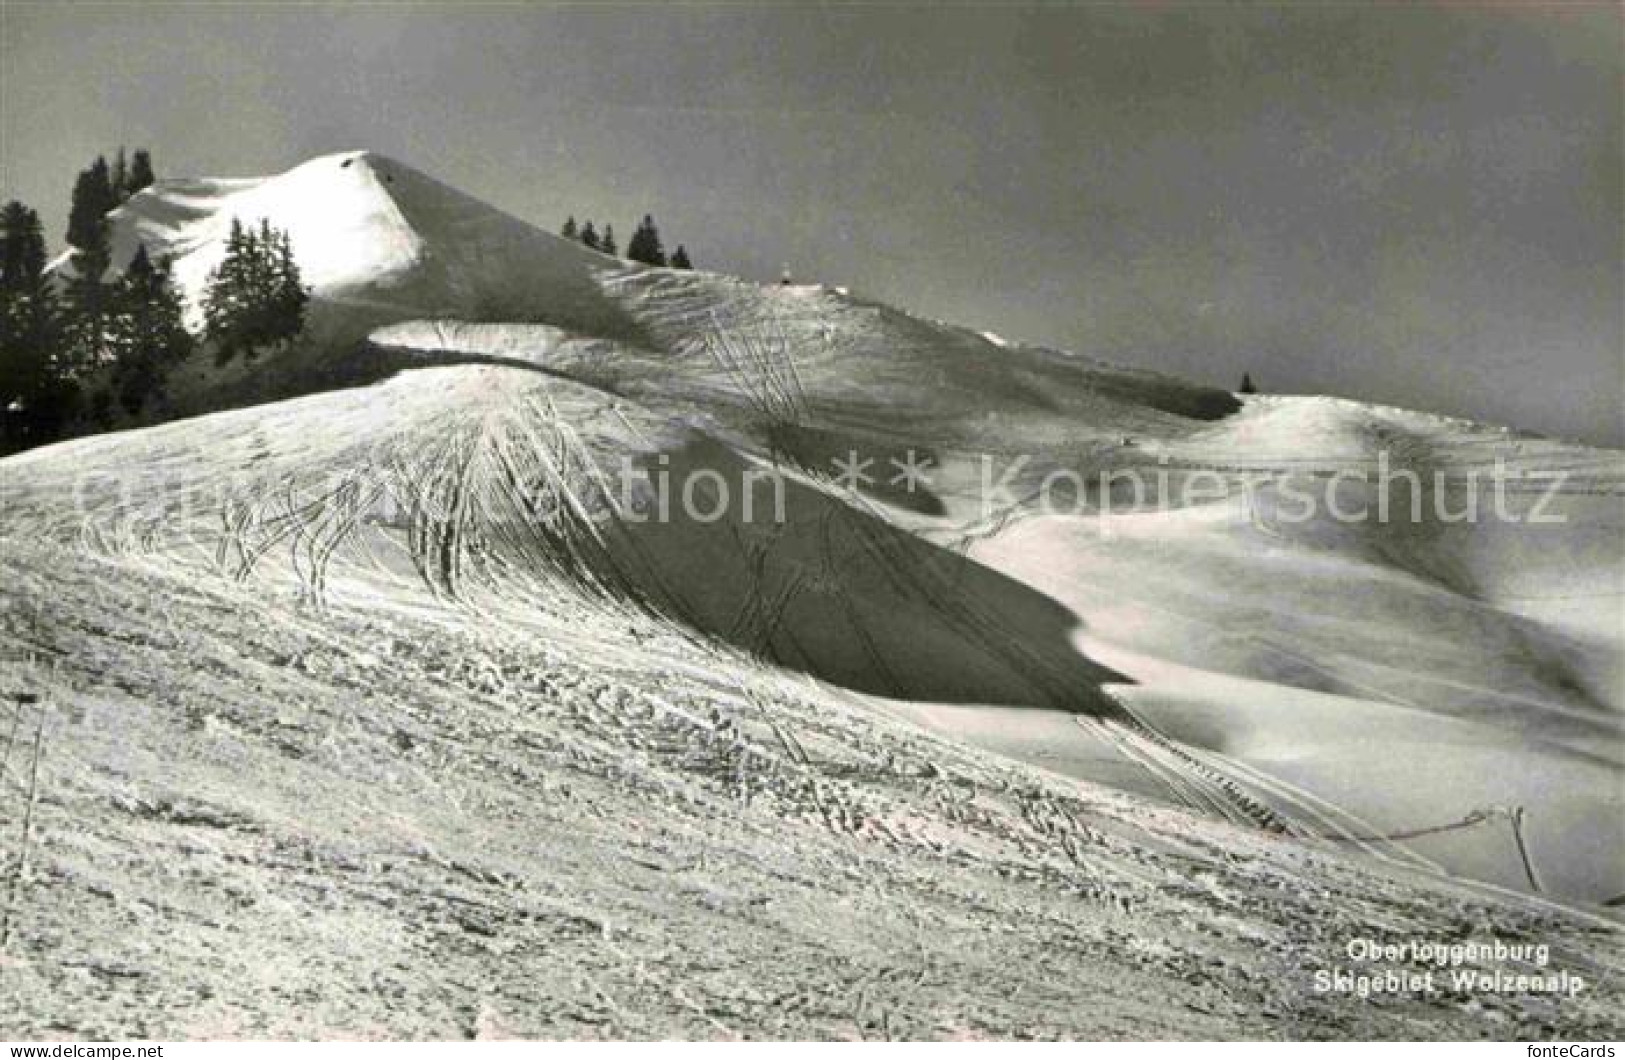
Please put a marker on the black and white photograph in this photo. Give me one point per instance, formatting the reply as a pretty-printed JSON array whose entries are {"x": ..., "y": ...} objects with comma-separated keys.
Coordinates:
[{"x": 824, "y": 522}]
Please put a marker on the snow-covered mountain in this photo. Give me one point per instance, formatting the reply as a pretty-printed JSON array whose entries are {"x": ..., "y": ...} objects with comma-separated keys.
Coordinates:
[
  {"x": 1006, "y": 579},
  {"x": 372, "y": 235}
]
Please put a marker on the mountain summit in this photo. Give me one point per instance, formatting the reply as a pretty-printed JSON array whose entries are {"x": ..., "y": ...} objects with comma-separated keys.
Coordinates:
[{"x": 377, "y": 236}]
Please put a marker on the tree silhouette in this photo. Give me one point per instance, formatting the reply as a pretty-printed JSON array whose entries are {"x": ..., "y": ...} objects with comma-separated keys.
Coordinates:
[
  {"x": 569, "y": 229},
  {"x": 88, "y": 303},
  {"x": 679, "y": 259},
  {"x": 119, "y": 178},
  {"x": 645, "y": 244},
  {"x": 36, "y": 395},
  {"x": 93, "y": 197},
  {"x": 148, "y": 333},
  {"x": 1247, "y": 384},
  {"x": 141, "y": 175},
  {"x": 22, "y": 248}
]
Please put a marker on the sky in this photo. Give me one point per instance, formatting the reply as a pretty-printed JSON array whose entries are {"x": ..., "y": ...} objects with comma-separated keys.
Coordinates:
[{"x": 1414, "y": 204}]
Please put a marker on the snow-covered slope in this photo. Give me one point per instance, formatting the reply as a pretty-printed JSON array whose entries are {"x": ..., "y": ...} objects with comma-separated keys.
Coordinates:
[
  {"x": 1460, "y": 680},
  {"x": 380, "y": 243},
  {"x": 377, "y": 237},
  {"x": 1480, "y": 661},
  {"x": 1431, "y": 695}
]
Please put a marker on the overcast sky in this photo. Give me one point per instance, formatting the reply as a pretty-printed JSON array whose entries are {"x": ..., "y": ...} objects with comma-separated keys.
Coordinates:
[{"x": 1409, "y": 204}]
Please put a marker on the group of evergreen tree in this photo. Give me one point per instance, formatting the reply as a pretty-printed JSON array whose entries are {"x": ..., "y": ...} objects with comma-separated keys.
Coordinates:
[
  {"x": 256, "y": 298},
  {"x": 136, "y": 321},
  {"x": 645, "y": 245},
  {"x": 100, "y": 189},
  {"x": 50, "y": 338},
  {"x": 589, "y": 236},
  {"x": 127, "y": 325},
  {"x": 605, "y": 242},
  {"x": 90, "y": 302}
]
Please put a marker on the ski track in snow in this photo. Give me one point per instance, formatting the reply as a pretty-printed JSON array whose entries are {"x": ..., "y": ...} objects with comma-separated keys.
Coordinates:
[{"x": 371, "y": 688}]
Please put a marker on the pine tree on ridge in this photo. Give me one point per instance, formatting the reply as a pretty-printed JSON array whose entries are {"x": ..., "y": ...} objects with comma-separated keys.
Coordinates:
[
  {"x": 119, "y": 179},
  {"x": 141, "y": 174},
  {"x": 645, "y": 244}
]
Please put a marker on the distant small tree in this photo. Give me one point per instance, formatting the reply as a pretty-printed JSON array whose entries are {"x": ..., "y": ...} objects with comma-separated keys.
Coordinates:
[
  {"x": 141, "y": 175},
  {"x": 119, "y": 178},
  {"x": 645, "y": 245},
  {"x": 1247, "y": 384},
  {"x": 589, "y": 235},
  {"x": 569, "y": 230},
  {"x": 606, "y": 242},
  {"x": 93, "y": 197},
  {"x": 679, "y": 259}
]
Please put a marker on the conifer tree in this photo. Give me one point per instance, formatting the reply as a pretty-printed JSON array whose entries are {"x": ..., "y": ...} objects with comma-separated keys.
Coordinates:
[
  {"x": 679, "y": 259},
  {"x": 645, "y": 244},
  {"x": 148, "y": 330},
  {"x": 226, "y": 298},
  {"x": 589, "y": 235},
  {"x": 87, "y": 300},
  {"x": 1247, "y": 384},
  {"x": 22, "y": 248},
  {"x": 102, "y": 181},
  {"x": 88, "y": 305},
  {"x": 607, "y": 242},
  {"x": 34, "y": 396},
  {"x": 119, "y": 179},
  {"x": 288, "y": 292},
  {"x": 141, "y": 175},
  {"x": 28, "y": 304},
  {"x": 569, "y": 229},
  {"x": 263, "y": 289},
  {"x": 636, "y": 247},
  {"x": 93, "y": 197}
]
